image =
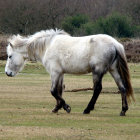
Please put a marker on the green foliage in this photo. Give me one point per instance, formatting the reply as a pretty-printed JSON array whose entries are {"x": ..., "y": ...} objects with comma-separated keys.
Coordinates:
[
  {"x": 114, "y": 25},
  {"x": 118, "y": 25},
  {"x": 136, "y": 29},
  {"x": 72, "y": 23},
  {"x": 91, "y": 28}
]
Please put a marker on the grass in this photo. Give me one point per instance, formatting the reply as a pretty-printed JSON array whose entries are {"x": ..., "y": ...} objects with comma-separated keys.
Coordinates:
[{"x": 26, "y": 104}]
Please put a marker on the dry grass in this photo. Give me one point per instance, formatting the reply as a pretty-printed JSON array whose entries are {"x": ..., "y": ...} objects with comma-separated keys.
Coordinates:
[{"x": 26, "y": 104}]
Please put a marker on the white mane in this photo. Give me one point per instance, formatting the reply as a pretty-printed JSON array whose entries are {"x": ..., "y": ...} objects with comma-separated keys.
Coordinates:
[
  {"x": 17, "y": 40},
  {"x": 45, "y": 34},
  {"x": 36, "y": 42}
]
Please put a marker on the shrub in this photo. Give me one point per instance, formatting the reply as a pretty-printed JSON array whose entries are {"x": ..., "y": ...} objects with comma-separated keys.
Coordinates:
[
  {"x": 71, "y": 24},
  {"x": 136, "y": 30},
  {"x": 91, "y": 28},
  {"x": 118, "y": 25},
  {"x": 114, "y": 25}
]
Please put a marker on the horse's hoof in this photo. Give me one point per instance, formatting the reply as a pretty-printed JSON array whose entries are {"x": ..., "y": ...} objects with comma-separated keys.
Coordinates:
[
  {"x": 122, "y": 113},
  {"x": 54, "y": 110},
  {"x": 86, "y": 111},
  {"x": 57, "y": 107},
  {"x": 67, "y": 108}
]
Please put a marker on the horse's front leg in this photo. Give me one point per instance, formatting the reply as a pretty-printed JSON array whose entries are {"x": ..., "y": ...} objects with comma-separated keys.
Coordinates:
[
  {"x": 59, "y": 90},
  {"x": 56, "y": 90}
]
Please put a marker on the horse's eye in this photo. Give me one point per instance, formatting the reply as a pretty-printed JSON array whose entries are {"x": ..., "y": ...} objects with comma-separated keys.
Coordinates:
[{"x": 10, "y": 56}]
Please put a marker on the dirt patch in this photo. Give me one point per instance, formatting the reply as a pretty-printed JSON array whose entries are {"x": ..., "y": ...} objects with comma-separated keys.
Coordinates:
[
  {"x": 3, "y": 44},
  {"x": 132, "y": 48}
]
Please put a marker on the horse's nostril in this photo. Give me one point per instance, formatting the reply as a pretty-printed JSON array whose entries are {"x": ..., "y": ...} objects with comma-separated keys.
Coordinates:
[
  {"x": 9, "y": 74},
  {"x": 6, "y": 73}
]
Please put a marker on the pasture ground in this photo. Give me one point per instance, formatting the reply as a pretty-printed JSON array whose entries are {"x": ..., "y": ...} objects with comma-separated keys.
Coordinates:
[{"x": 26, "y": 104}]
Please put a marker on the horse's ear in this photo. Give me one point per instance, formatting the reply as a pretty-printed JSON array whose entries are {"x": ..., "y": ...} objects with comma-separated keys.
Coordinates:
[{"x": 11, "y": 45}]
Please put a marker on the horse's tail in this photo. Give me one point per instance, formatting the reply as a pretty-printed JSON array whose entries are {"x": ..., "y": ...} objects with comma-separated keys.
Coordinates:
[{"x": 124, "y": 71}]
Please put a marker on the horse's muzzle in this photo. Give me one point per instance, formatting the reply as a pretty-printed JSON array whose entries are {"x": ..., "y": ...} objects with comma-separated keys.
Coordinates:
[{"x": 9, "y": 74}]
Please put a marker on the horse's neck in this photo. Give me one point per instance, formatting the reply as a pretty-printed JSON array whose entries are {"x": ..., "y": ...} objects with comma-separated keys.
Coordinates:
[
  {"x": 36, "y": 47},
  {"x": 33, "y": 55},
  {"x": 36, "y": 53}
]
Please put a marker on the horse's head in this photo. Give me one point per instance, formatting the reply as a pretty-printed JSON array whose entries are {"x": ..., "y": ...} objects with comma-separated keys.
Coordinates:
[{"x": 15, "y": 61}]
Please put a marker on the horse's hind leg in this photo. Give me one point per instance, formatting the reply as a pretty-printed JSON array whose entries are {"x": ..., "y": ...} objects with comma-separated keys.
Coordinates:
[
  {"x": 115, "y": 74},
  {"x": 97, "y": 80},
  {"x": 56, "y": 91}
]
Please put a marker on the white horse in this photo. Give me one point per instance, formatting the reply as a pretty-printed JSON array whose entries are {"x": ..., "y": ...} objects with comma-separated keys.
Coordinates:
[{"x": 61, "y": 53}]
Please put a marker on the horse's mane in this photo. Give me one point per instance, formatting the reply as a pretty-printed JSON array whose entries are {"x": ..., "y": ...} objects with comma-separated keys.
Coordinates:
[
  {"x": 48, "y": 33},
  {"x": 35, "y": 42},
  {"x": 18, "y": 40}
]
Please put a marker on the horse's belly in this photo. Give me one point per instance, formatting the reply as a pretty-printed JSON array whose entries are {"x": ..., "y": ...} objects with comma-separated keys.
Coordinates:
[
  {"x": 77, "y": 71},
  {"x": 74, "y": 68}
]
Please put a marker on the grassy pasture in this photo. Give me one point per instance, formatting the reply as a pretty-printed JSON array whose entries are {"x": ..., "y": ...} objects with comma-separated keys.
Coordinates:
[{"x": 26, "y": 104}]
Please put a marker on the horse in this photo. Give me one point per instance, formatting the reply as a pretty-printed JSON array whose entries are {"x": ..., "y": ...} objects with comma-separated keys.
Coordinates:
[{"x": 61, "y": 53}]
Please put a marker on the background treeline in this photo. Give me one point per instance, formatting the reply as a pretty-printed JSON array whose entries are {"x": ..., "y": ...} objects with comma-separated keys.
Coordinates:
[{"x": 120, "y": 18}]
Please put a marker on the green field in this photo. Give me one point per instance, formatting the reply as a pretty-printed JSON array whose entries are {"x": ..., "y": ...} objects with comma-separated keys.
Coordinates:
[{"x": 26, "y": 104}]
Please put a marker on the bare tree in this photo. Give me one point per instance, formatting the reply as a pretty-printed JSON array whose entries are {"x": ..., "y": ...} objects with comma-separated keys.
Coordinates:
[{"x": 28, "y": 16}]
